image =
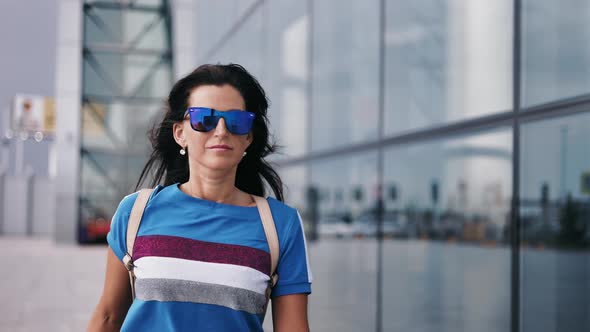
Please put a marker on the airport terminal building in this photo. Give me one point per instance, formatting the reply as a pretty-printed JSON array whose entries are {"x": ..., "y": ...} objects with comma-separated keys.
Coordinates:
[{"x": 436, "y": 150}]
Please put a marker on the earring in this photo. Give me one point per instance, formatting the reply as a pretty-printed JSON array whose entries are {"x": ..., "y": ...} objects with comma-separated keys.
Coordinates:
[
  {"x": 245, "y": 153},
  {"x": 182, "y": 151}
]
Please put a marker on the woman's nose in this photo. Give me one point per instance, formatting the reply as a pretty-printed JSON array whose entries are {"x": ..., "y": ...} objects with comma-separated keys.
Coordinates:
[{"x": 221, "y": 128}]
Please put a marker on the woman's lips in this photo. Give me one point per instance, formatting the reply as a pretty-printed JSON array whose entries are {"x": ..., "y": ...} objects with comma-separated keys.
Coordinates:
[{"x": 221, "y": 147}]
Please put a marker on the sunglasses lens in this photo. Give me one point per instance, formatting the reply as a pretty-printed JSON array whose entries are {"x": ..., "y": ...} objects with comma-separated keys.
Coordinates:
[
  {"x": 210, "y": 122},
  {"x": 239, "y": 122},
  {"x": 206, "y": 119},
  {"x": 201, "y": 120}
]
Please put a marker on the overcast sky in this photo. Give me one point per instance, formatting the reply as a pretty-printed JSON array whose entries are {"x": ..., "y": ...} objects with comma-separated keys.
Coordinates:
[{"x": 27, "y": 61}]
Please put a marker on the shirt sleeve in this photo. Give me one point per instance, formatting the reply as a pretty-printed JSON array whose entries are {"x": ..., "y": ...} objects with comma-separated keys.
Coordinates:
[
  {"x": 117, "y": 236},
  {"x": 293, "y": 266}
]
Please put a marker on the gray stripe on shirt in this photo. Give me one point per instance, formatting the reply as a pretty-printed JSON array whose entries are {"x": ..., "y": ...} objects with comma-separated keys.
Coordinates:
[{"x": 156, "y": 289}]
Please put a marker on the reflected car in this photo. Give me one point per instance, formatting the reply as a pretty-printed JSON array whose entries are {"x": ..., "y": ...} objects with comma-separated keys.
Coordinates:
[
  {"x": 366, "y": 226},
  {"x": 396, "y": 228},
  {"x": 97, "y": 229},
  {"x": 332, "y": 226}
]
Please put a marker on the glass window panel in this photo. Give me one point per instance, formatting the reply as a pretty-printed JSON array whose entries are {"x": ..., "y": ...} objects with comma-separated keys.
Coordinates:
[
  {"x": 153, "y": 3},
  {"x": 295, "y": 185},
  {"x": 145, "y": 76},
  {"x": 137, "y": 29},
  {"x": 212, "y": 23},
  {"x": 446, "y": 61},
  {"x": 114, "y": 150},
  {"x": 446, "y": 254},
  {"x": 100, "y": 173},
  {"x": 287, "y": 79},
  {"x": 126, "y": 55},
  {"x": 103, "y": 75},
  {"x": 109, "y": 175},
  {"x": 214, "y": 20},
  {"x": 117, "y": 131},
  {"x": 103, "y": 26},
  {"x": 246, "y": 47},
  {"x": 95, "y": 214},
  {"x": 555, "y": 219},
  {"x": 145, "y": 31},
  {"x": 118, "y": 125},
  {"x": 345, "y": 73},
  {"x": 555, "y": 52},
  {"x": 344, "y": 267},
  {"x": 147, "y": 2},
  {"x": 295, "y": 181}
]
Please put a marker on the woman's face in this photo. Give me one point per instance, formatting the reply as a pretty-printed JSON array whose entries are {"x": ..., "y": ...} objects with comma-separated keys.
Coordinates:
[{"x": 217, "y": 149}]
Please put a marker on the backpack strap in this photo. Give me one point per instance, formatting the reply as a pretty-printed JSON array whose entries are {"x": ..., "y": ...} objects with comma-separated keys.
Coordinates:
[
  {"x": 265, "y": 215},
  {"x": 132, "y": 228},
  {"x": 272, "y": 239}
]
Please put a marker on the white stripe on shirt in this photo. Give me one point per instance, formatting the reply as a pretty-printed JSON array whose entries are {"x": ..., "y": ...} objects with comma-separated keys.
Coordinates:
[{"x": 215, "y": 273}]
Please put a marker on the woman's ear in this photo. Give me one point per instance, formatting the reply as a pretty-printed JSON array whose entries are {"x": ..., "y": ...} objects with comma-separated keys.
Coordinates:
[
  {"x": 249, "y": 139},
  {"x": 178, "y": 132}
]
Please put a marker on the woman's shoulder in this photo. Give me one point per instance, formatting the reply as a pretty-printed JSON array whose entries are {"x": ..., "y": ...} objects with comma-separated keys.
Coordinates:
[
  {"x": 278, "y": 204},
  {"x": 127, "y": 202},
  {"x": 281, "y": 209}
]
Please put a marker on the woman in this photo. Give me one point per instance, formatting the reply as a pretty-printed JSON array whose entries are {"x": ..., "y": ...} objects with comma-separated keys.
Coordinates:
[{"x": 209, "y": 149}]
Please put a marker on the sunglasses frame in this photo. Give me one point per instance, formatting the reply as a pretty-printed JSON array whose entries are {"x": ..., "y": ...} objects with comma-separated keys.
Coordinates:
[{"x": 218, "y": 113}]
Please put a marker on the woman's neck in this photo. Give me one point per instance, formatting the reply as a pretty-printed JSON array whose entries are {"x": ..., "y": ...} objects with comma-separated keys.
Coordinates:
[{"x": 215, "y": 185}]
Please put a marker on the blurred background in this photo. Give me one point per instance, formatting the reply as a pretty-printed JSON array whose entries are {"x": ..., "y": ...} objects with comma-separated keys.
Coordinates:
[{"x": 436, "y": 150}]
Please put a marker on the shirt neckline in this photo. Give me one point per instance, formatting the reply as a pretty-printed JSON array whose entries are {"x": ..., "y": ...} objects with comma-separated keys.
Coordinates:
[{"x": 215, "y": 206}]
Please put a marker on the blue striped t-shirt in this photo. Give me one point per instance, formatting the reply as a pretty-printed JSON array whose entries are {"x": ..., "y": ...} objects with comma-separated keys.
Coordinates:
[{"x": 205, "y": 266}]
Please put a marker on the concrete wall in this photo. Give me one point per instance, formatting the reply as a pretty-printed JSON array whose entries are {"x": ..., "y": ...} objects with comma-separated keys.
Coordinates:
[
  {"x": 27, "y": 206},
  {"x": 15, "y": 206},
  {"x": 68, "y": 87},
  {"x": 43, "y": 206}
]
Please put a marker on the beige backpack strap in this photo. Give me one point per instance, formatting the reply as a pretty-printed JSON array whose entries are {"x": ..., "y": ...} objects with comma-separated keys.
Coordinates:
[
  {"x": 271, "y": 237},
  {"x": 132, "y": 228}
]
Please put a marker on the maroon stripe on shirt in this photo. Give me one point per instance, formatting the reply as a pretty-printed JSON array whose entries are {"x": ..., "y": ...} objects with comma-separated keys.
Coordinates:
[{"x": 180, "y": 247}]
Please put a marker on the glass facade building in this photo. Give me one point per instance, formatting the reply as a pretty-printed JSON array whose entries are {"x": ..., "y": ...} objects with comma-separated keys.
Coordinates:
[
  {"x": 461, "y": 125},
  {"x": 126, "y": 74},
  {"x": 436, "y": 151}
]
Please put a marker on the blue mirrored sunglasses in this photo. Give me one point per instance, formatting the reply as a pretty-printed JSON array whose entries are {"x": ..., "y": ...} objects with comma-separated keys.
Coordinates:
[{"x": 205, "y": 119}]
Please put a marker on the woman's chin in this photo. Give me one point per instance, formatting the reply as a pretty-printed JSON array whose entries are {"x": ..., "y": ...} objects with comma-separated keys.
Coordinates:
[{"x": 220, "y": 163}]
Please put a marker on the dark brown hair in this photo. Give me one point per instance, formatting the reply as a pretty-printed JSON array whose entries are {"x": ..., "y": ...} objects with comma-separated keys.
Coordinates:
[{"x": 165, "y": 159}]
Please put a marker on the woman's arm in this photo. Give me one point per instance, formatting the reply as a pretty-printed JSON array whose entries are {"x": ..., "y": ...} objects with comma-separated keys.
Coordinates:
[
  {"x": 115, "y": 300},
  {"x": 289, "y": 313}
]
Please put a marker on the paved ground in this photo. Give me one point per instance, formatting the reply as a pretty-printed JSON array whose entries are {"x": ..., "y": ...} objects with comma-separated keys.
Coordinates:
[
  {"x": 428, "y": 286},
  {"x": 54, "y": 287},
  {"x": 48, "y": 287},
  {"x": 51, "y": 287}
]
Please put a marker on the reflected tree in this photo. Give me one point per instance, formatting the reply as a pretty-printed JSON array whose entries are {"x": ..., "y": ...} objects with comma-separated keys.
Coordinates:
[{"x": 574, "y": 229}]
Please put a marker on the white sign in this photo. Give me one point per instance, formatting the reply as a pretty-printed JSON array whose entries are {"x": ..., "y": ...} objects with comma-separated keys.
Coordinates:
[{"x": 33, "y": 114}]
